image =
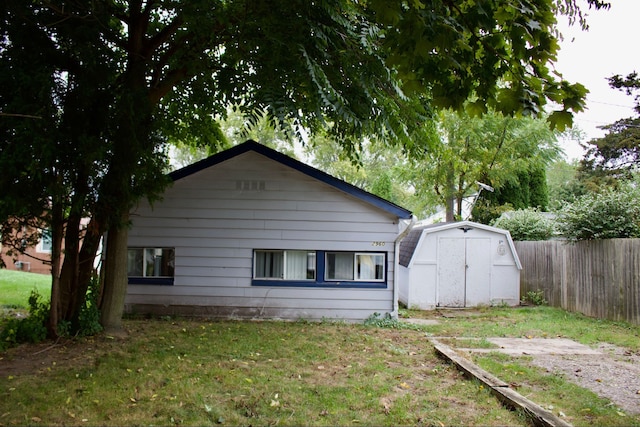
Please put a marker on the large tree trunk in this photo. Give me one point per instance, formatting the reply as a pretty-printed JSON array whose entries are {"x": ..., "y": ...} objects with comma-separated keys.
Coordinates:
[
  {"x": 115, "y": 278},
  {"x": 127, "y": 179},
  {"x": 78, "y": 269},
  {"x": 449, "y": 209},
  {"x": 69, "y": 292},
  {"x": 459, "y": 200}
]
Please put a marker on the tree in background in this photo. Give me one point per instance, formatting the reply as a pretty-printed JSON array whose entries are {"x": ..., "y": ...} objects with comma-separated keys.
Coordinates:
[
  {"x": 617, "y": 154},
  {"x": 496, "y": 150},
  {"x": 564, "y": 183},
  {"x": 374, "y": 166},
  {"x": 119, "y": 79},
  {"x": 236, "y": 126},
  {"x": 495, "y": 146},
  {"x": 527, "y": 189}
]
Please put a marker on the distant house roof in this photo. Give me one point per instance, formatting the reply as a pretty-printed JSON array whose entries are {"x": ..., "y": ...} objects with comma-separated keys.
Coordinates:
[
  {"x": 410, "y": 242},
  {"x": 250, "y": 145}
]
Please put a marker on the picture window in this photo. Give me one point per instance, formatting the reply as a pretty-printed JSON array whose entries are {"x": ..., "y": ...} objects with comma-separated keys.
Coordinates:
[{"x": 150, "y": 262}]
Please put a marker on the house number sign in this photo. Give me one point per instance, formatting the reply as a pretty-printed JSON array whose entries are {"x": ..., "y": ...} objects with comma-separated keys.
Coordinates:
[{"x": 377, "y": 243}]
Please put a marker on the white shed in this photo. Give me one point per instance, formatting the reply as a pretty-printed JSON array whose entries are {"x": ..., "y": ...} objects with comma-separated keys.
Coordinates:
[{"x": 458, "y": 264}]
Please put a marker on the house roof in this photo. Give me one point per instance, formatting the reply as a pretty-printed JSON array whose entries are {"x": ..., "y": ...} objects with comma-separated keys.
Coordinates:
[
  {"x": 256, "y": 147},
  {"x": 409, "y": 244}
]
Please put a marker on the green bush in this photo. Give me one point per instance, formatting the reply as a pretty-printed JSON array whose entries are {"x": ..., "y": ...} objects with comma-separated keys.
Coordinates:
[
  {"x": 33, "y": 328},
  {"x": 89, "y": 318},
  {"x": 535, "y": 298},
  {"x": 608, "y": 215},
  {"x": 388, "y": 322},
  {"x": 28, "y": 329},
  {"x": 526, "y": 224}
]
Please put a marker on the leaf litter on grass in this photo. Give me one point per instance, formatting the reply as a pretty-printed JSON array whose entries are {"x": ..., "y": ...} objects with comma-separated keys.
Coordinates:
[{"x": 198, "y": 372}]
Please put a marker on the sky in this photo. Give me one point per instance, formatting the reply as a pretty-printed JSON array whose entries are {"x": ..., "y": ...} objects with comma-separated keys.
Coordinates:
[{"x": 609, "y": 47}]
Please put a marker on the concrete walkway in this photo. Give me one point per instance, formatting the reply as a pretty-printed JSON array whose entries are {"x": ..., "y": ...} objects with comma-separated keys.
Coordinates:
[{"x": 534, "y": 346}]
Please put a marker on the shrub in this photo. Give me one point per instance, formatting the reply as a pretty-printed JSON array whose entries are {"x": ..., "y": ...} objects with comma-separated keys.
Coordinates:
[
  {"x": 526, "y": 224},
  {"x": 535, "y": 298},
  {"x": 89, "y": 318},
  {"x": 28, "y": 329},
  {"x": 33, "y": 328},
  {"x": 386, "y": 321},
  {"x": 607, "y": 215}
]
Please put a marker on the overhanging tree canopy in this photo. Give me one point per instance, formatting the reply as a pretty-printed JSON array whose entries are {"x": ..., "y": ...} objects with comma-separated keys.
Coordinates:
[{"x": 116, "y": 78}]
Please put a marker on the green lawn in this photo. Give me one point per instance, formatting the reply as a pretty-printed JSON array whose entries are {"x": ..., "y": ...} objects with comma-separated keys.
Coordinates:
[
  {"x": 16, "y": 286},
  {"x": 194, "y": 372},
  {"x": 172, "y": 371}
]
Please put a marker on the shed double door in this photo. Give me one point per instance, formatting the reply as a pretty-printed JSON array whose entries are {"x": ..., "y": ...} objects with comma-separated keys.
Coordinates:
[{"x": 464, "y": 271}]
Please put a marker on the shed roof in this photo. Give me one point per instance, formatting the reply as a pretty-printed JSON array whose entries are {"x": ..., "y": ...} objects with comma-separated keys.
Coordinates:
[
  {"x": 409, "y": 244},
  {"x": 272, "y": 154}
]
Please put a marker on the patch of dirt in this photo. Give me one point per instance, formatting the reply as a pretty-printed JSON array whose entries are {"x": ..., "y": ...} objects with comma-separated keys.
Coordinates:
[
  {"x": 614, "y": 373},
  {"x": 607, "y": 370},
  {"x": 28, "y": 359}
]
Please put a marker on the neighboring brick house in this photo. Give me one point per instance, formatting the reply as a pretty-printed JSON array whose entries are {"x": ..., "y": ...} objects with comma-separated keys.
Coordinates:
[{"x": 35, "y": 259}]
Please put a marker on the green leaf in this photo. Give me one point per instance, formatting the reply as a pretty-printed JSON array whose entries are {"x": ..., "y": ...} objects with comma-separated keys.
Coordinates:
[{"x": 560, "y": 120}]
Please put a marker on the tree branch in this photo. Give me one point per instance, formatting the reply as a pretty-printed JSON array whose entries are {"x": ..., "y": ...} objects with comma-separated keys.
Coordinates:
[
  {"x": 161, "y": 37},
  {"x": 24, "y": 116}
]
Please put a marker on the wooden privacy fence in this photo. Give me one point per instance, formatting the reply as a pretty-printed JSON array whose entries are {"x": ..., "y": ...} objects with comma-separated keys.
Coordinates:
[{"x": 599, "y": 278}]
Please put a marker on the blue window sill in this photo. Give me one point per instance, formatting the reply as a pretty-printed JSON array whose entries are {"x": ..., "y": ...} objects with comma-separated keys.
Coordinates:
[
  {"x": 162, "y": 281},
  {"x": 314, "y": 284}
]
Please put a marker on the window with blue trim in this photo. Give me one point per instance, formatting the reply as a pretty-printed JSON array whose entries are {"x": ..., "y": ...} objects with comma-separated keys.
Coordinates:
[
  {"x": 150, "y": 266},
  {"x": 319, "y": 268},
  {"x": 357, "y": 266},
  {"x": 284, "y": 265}
]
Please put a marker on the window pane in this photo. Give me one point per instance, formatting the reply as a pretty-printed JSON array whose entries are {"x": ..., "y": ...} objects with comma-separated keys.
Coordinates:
[
  {"x": 269, "y": 264},
  {"x": 300, "y": 265},
  {"x": 149, "y": 262},
  {"x": 46, "y": 240},
  {"x": 311, "y": 265},
  {"x": 339, "y": 266},
  {"x": 370, "y": 266},
  {"x": 168, "y": 262},
  {"x": 134, "y": 262}
]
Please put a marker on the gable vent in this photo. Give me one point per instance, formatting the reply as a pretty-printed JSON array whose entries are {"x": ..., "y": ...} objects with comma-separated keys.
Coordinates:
[{"x": 250, "y": 185}]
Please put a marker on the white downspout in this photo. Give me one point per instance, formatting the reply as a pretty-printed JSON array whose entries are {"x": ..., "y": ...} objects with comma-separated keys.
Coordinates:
[{"x": 396, "y": 266}]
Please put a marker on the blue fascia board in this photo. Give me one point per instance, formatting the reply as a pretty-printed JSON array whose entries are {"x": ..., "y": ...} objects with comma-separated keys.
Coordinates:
[{"x": 341, "y": 185}]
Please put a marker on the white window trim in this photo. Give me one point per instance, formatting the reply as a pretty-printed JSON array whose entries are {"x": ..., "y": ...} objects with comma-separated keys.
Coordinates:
[{"x": 40, "y": 246}]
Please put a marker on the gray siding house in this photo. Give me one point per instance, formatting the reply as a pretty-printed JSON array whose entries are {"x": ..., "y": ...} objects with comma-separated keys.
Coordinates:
[{"x": 252, "y": 233}]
